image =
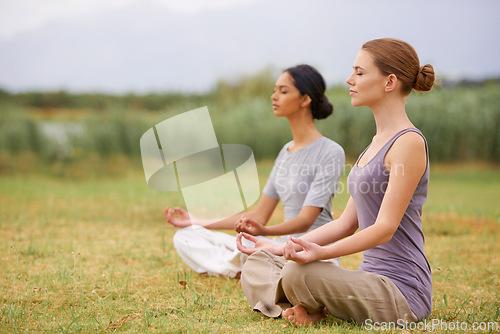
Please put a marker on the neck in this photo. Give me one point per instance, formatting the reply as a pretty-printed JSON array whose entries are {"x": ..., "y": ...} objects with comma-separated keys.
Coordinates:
[
  {"x": 390, "y": 116},
  {"x": 304, "y": 130}
]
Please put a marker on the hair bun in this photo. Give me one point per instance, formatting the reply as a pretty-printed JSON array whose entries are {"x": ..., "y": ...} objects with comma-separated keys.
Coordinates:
[
  {"x": 323, "y": 109},
  {"x": 425, "y": 78}
]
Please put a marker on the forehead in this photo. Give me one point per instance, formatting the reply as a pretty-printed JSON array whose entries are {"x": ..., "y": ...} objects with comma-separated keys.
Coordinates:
[
  {"x": 364, "y": 60},
  {"x": 285, "y": 79}
]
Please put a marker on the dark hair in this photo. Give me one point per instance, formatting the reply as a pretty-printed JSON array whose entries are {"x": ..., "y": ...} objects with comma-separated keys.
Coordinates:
[
  {"x": 394, "y": 56},
  {"x": 309, "y": 81}
]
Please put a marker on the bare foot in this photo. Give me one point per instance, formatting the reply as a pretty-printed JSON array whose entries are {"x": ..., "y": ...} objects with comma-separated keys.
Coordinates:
[
  {"x": 289, "y": 314},
  {"x": 298, "y": 316}
]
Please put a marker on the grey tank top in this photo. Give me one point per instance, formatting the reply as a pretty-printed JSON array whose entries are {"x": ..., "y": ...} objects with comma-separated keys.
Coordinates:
[{"x": 402, "y": 259}]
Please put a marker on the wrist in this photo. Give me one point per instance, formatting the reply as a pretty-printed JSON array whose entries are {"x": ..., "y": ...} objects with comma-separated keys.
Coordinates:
[
  {"x": 325, "y": 253},
  {"x": 279, "y": 249},
  {"x": 264, "y": 230}
]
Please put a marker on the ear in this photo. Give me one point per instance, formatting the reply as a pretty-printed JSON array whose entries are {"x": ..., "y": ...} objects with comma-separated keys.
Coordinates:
[
  {"x": 307, "y": 101},
  {"x": 391, "y": 83}
]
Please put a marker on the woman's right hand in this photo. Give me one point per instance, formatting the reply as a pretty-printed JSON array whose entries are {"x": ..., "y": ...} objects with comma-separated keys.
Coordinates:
[
  {"x": 260, "y": 244},
  {"x": 310, "y": 251},
  {"x": 178, "y": 217}
]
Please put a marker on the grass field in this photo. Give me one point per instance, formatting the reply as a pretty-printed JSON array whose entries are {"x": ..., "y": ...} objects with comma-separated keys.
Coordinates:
[{"x": 93, "y": 254}]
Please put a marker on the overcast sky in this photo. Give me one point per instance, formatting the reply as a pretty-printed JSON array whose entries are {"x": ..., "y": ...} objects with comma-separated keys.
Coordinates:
[{"x": 122, "y": 46}]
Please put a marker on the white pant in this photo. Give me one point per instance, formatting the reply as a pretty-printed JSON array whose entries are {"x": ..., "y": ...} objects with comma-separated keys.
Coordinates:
[{"x": 214, "y": 252}]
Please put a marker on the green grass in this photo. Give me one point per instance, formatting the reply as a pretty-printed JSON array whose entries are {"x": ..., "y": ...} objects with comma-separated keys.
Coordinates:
[{"x": 93, "y": 254}]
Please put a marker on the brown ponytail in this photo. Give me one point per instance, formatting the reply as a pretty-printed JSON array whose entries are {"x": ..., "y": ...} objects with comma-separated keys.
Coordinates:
[
  {"x": 425, "y": 78},
  {"x": 394, "y": 56}
]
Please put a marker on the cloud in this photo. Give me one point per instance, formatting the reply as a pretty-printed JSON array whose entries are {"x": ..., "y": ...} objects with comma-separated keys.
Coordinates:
[
  {"x": 27, "y": 15},
  {"x": 131, "y": 45},
  {"x": 192, "y": 6}
]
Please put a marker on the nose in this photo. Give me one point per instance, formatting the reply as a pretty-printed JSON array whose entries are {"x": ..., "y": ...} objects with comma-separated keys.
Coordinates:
[
  {"x": 350, "y": 80},
  {"x": 273, "y": 96}
]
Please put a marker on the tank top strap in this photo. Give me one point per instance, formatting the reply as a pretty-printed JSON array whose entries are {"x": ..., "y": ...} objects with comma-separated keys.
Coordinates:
[
  {"x": 399, "y": 134},
  {"x": 383, "y": 151}
]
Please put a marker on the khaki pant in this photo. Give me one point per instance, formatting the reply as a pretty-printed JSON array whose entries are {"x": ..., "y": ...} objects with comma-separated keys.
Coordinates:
[{"x": 272, "y": 284}]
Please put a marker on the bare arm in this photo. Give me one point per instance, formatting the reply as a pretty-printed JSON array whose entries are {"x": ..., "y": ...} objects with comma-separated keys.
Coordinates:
[
  {"x": 340, "y": 228},
  {"x": 337, "y": 229},
  {"x": 407, "y": 161},
  {"x": 299, "y": 224},
  {"x": 307, "y": 216},
  {"x": 260, "y": 214},
  {"x": 324, "y": 178}
]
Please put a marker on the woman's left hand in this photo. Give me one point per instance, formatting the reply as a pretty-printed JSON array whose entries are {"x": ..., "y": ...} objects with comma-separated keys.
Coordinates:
[
  {"x": 310, "y": 251},
  {"x": 248, "y": 225},
  {"x": 260, "y": 244}
]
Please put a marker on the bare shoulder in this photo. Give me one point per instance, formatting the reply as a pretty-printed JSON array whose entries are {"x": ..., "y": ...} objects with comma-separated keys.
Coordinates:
[
  {"x": 409, "y": 148},
  {"x": 410, "y": 140}
]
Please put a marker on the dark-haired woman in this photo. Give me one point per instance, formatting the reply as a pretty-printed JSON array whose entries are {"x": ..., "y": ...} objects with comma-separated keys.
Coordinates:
[
  {"x": 304, "y": 178},
  {"x": 388, "y": 186}
]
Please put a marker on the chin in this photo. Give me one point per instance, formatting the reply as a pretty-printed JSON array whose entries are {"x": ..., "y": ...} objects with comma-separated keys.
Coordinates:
[
  {"x": 355, "y": 103},
  {"x": 277, "y": 114}
]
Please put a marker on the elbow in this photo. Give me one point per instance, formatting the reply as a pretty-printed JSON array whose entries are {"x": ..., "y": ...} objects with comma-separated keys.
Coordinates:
[
  {"x": 304, "y": 230},
  {"x": 304, "y": 227},
  {"x": 352, "y": 230},
  {"x": 386, "y": 236}
]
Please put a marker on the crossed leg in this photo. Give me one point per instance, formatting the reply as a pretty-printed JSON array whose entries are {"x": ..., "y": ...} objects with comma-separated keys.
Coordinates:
[{"x": 318, "y": 288}]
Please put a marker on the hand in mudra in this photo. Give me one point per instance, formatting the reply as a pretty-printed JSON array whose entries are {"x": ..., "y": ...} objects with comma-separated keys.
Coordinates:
[
  {"x": 248, "y": 225},
  {"x": 310, "y": 251},
  {"x": 260, "y": 244},
  {"x": 178, "y": 217}
]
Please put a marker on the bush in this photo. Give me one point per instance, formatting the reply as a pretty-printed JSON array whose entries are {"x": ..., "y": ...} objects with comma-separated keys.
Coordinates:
[{"x": 460, "y": 123}]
